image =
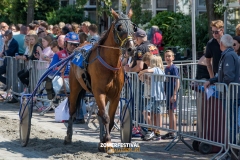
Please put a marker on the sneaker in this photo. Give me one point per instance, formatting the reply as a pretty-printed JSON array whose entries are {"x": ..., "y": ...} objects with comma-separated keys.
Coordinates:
[
  {"x": 157, "y": 134},
  {"x": 136, "y": 132},
  {"x": 168, "y": 136},
  {"x": 157, "y": 139},
  {"x": 149, "y": 136}
]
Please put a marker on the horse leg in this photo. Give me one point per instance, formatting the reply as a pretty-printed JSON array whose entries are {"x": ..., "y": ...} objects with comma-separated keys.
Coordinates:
[
  {"x": 111, "y": 112},
  {"x": 75, "y": 88},
  {"x": 104, "y": 119}
]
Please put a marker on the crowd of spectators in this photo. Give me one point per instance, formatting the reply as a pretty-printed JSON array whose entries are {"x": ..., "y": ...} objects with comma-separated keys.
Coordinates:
[{"x": 39, "y": 41}]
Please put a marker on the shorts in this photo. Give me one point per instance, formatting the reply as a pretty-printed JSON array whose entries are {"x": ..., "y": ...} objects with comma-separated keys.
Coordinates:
[
  {"x": 170, "y": 105},
  {"x": 154, "y": 106}
]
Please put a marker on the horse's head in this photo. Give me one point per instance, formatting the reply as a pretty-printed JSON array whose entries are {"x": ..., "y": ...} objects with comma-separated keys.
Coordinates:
[{"x": 123, "y": 31}]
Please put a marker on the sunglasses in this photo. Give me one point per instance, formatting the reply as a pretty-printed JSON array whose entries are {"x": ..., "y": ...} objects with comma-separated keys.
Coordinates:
[
  {"x": 215, "y": 32},
  {"x": 74, "y": 44}
]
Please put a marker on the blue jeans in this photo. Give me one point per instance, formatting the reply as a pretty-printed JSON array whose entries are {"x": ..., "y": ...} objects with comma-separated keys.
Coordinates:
[{"x": 81, "y": 111}]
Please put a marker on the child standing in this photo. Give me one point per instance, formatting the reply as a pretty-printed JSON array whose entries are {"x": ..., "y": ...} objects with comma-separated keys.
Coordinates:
[
  {"x": 47, "y": 53},
  {"x": 171, "y": 89},
  {"x": 155, "y": 95}
]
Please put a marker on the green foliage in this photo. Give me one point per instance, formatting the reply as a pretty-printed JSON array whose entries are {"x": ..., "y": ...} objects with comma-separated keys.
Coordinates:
[
  {"x": 18, "y": 11},
  {"x": 201, "y": 31},
  {"x": 5, "y": 9},
  {"x": 67, "y": 14},
  {"x": 44, "y": 6},
  {"x": 177, "y": 29},
  {"x": 140, "y": 16},
  {"x": 80, "y": 3},
  {"x": 219, "y": 7}
]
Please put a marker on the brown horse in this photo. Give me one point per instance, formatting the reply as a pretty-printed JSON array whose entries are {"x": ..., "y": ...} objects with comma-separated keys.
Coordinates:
[{"x": 106, "y": 74}]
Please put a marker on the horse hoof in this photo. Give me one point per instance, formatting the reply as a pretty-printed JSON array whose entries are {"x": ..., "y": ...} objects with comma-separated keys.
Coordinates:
[
  {"x": 67, "y": 141},
  {"x": 100, "y": 149},
  {"x": 110, "y": 151}
]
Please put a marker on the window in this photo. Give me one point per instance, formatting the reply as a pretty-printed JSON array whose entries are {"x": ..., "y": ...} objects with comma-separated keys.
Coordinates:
[
  {"x": 164, "y": 3},
  {"x": 64, "y": 3},
  {"x": 92, "y": 2},
  {"x": 115, "y": 5},
  {"x": 92, "y": 16},
  {"x": 202, "y": 3},
  {"x": 146, "y": 4}
]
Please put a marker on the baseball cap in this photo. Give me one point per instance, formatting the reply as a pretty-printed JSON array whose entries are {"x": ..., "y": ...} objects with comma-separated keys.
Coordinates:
[
  {"x": 140, "y": 33},
  {"x": 7, "y": 32}
]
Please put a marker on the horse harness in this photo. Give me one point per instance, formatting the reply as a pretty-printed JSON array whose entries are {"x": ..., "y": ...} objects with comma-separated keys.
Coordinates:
[{"x": 117, "y": 33}]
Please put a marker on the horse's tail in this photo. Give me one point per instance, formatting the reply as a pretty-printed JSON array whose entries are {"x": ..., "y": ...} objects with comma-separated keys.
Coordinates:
[{"x": 80, "y": 99}]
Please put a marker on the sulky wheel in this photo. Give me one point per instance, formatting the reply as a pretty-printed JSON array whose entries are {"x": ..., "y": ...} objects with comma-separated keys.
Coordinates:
[
  {"x": 195, "y": 145},
  {"x": 205, "y": 148},
  {"x": 25, "y": 124},
  {"x": 126, "y": 125}
]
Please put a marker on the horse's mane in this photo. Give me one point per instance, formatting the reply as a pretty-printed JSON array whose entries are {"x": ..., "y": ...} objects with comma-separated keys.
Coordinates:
[{"x": 105, "y": 36}]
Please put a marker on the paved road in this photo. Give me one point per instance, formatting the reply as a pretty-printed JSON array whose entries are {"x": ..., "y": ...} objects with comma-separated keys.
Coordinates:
[{"x": 46, "y": 141}]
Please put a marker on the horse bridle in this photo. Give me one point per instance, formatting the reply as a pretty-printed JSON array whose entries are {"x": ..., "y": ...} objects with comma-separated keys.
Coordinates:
[{"x": 117, "y": 33}]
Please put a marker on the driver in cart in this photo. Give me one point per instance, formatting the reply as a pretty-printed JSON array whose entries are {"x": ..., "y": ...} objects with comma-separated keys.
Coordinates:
[{"x": 59, "y": 83}]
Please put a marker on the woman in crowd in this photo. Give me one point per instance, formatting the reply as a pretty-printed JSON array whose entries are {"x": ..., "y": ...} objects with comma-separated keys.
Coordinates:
[
  {"x": 32, "y": 50},
  {"x": 83, "y": 39},
  {"x": 236, "y": 45},
  {"x": 155, "y": 37}
]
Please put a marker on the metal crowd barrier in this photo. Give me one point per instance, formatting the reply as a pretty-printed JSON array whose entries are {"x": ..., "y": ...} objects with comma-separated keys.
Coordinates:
[
  {"x": 197, "y": 117},
  {"x": 13, "y": 67},
  {"x": 156, "y": 110},
  {"x": 131, "y": 85},
  {"x": 204, "y": 116},
  {"x": 234, "y": 120},
  {"x": 37, "y": 68}
]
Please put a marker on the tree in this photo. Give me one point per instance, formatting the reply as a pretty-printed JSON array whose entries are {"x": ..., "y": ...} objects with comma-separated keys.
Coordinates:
[
  {"x": 140, "y": 16},
  {"x": 67, "y": 14},
  {"x": 30, "y": 11},
  {"x": 5, "y": 7},
  {"x": 215, "y": 10},
  {"x": 42, "y": 7}
]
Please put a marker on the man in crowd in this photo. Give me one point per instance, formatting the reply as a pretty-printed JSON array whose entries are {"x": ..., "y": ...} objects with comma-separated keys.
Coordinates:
[
  {"x": 143, "y": 46},
  {"x": 93, "y": 30},
  {"x": 60, "y": 41},
  {"x": 213, "y": 52},
  {"x": 228, "y": 72},
  {"x": 3, "y": 28},
  {"x": 85, "y": 29},
  {"x": 10, "y": 49},
  {"x": 20, "y": 38}
]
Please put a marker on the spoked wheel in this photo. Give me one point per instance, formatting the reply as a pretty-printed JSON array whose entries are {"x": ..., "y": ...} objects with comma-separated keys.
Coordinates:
[
  {"x": 126, "y": 125},
  {"x": 205, "y": 148},
  {"x": 25, "y": 124}
]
